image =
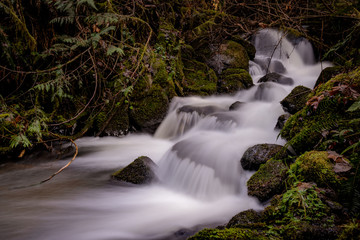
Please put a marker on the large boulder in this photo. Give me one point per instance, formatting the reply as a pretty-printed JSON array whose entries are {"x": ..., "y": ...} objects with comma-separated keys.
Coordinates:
[
  {"x": 268, "y": 181},
  {"x": 234, "y": 79},
  {"x": 147, "y": 113},
  {"x": 140, "y": 171},
  {"x": 260, "y": 154},
  {"x": 296, "y": 100},
  {"x": 229, "y": 55},
  {"x": 277, "y": 78}
]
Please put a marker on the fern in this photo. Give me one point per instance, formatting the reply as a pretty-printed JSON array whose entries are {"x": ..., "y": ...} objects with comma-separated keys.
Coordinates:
[
  {"x": 103, "y": 19},
  {"x": 19, "y": 140},
  {"x": 90, "y": 3}
]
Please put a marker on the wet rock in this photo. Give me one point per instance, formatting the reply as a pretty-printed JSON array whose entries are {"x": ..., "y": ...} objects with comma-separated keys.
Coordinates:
[
  {"x": 140, "y": 171},
  {"x": 277, "y": 78},
  {"x": 296, "y": 100},
  {"x": 235, "y": 106},
  {"x": 244, "y": 218},
  {"x": 268, "y": 181},
  {"x": 249, "y": 47},
  {"x": 229, "y": 55},
  {"x": 327, "y": 74},
  {"x": 282, "y": 120},
  {"x": 260, "y": 154}
]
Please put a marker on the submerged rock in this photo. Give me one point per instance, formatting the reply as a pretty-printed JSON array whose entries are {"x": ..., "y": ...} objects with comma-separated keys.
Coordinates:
[
  {"x": 268, "y": 180},
  {"x": 201, "y": 110},
  {"x": 296, "y": 100},
  {"x": 260, "y": 154},
  {"x": 235, "y": 106},
  {"x": 140, "y": 171},
  {"x": 277, "y": 78}
]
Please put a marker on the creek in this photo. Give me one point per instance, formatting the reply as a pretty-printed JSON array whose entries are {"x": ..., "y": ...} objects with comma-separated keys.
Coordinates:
[{"x": 197, "y": 148}]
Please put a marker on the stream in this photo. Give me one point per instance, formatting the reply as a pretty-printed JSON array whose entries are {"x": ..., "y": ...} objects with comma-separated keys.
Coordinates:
[{"x": 197, "y": 148}]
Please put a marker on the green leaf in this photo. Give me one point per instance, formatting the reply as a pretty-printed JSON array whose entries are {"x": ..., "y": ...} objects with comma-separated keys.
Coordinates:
[
  {"x": 112, "y": 49},
  {"x": 19, "y": 139},
  {"x": 354, "y": 107},
  {"x": 91, "y": 3}
]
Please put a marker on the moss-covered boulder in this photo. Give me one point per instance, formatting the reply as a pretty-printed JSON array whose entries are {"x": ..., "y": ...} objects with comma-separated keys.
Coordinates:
[
  {"x": 148, "y": 112},
  {"x": 268, "y": 180},
  {"x": 199, "y": 79},
  {"x": 229, "y": 55},
  {"x": 260, "y": 154},
  {"x": 296, "y": 100},
  {"x": 244, "y": 219},
  {"x": 249, "y": 47},
  {"x": 277, "y": 78},
  {"x": 234, "y": 79},
  {"x": 320, "y": 167},
  {"x": 140, "y": 171},
  {"x": 328, "y": 73},
  {"x": 228, "y": 233}
]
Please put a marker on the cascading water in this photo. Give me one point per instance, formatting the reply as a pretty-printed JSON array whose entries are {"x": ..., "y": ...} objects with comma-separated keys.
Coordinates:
[{"x": 197, "y": 148}]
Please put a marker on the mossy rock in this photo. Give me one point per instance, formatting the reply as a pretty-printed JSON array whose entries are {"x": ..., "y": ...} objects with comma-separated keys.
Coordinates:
[
  {"x": 163, "y": 78},
  {"x": 260, "y": 154},
  {"x": 296, "y": 100},
  {"x": 249, "y": 47},
  {"x": 148, "y": 112},
  {"x": 234, "y": 79},
  {"x": 268, "y": 180},
  {"x": 244, "y": 219},
  {"x": 140, "y": 171},
  {"x": 229, "y": 55},
  {"x": 282, "y": 120},
  {"x": 199, "y": 79},
  {"x": 317, "y": 167},
  {"x": 228, "y": 233},
  {"x": 327, "y": 74}
]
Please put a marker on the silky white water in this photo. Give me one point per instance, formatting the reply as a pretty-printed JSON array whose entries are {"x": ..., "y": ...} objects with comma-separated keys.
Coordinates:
[{"x": 197, "y": 148}]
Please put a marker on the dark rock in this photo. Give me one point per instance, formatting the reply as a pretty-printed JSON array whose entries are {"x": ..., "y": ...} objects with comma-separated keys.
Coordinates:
[
  {"x": 296, "y": 100},
  {"x": 282, "y": 120},
  {"x": 260, "y": 154},
  {"x": 235, "y": 106},
  {"x": 268, "y": 181},
  {"x": 327, "y": 74},
  {"x": 244, "y": 218},
  {"x": 275, "y": 77},
  {"x": 229, "y": 55},
  {"x": 140, "y": 171}
]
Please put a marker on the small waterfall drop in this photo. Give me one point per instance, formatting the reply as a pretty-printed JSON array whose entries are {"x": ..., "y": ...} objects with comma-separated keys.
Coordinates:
[{"x": 197, "y": 148}]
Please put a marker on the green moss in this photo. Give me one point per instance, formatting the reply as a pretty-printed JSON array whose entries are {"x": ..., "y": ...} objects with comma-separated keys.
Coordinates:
[
  {"x": 234, "y": 79},
  {"x": 149, "y": 111},
  {"x": 199, "y": 78},
  {"x": 268, "y": 180},
  {"x": 228, "y": 233},
  {"x": 315, "y": 166},
  {"x": 237, "y": 52},
  {"x": 250, "y": 48}
]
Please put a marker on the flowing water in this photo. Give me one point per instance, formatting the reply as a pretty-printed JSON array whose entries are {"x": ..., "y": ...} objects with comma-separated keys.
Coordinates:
[{"x": 197, "y": 148}]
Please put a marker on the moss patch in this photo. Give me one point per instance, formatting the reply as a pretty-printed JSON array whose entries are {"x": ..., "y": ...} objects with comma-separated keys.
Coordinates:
[
  {"x": 268, "y": 180},
  {"x": 315, "y": 166},
  {"x": 234, "y": 79},
  {"x": 228, "y": 233}
]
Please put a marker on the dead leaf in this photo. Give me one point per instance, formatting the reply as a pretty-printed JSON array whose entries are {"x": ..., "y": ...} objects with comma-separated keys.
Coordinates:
[{"x": 22, "y": 153}]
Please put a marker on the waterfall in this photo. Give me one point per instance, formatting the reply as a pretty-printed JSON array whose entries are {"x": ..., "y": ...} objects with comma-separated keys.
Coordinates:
[{"x": 197, "y": 148}]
